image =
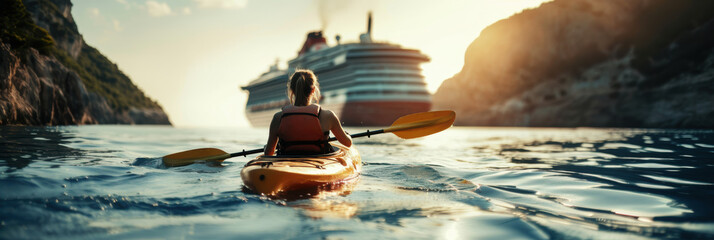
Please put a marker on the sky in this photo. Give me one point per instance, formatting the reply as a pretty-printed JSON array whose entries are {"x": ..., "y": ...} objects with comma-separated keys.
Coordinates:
[{"x": 192, "y": 56}]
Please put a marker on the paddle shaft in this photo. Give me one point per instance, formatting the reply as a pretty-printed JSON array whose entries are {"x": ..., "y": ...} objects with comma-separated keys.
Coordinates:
[
  {"x": 367, "y": 133},
  {"x": 259, "y": 150}
]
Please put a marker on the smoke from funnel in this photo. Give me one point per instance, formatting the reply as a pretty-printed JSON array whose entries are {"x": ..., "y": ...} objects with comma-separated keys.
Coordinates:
[
  {"x": 328, "y": 9},
  {"x": 322, "y": 13}
]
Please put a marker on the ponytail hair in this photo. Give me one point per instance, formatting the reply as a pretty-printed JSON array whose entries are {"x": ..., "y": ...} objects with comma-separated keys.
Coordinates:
[{"x": 300, "y": 85}]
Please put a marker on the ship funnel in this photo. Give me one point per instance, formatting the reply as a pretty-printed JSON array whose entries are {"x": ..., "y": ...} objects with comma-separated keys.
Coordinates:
[
  {"x": 315, "y": 41},
  {"x": 369, "y": 23},
  {"x": 367, "y": 37}
]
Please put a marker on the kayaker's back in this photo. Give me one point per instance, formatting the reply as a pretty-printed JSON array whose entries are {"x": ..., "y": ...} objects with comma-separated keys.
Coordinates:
[
  {"x": 303, "y": 127},
  {"x": 300, "y": 131}
]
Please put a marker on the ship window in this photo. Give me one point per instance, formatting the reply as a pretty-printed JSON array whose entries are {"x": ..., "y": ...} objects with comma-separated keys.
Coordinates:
[
  {"x": 393, "y": 83},
  {"x": 389, "y": 66},
  {"x": 391, "y": 75},
  {"x": 418, "y": 93},
  {"x": 387, "y": 92}
]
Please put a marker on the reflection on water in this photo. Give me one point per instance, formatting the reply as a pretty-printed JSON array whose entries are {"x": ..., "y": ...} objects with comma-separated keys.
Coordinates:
[
  {"x": 469, "y": 183},
  {"x": 326, "y": 208},
  {"x": 22, "y": 145}
]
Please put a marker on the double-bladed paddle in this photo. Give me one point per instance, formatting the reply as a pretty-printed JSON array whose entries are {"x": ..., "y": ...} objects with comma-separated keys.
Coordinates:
[{"x": 406, "y": 127}]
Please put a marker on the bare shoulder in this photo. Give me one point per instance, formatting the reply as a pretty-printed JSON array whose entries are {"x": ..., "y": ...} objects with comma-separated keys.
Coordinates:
[
  {"x": 328, "y": 117},
  {"x": 327, "y": 112},
  {"x": 276, "y": 119}
]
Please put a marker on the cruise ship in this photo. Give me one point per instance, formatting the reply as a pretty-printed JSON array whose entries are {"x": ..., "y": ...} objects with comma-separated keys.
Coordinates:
[{"x": 366, "y": 83}]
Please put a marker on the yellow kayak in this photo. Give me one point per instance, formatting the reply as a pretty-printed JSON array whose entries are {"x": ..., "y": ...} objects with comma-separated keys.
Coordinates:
[{"x": 302, "y": 176}]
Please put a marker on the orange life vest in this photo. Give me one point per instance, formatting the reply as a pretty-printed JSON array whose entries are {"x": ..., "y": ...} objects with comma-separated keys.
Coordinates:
[{"x": 300, "y": 131}]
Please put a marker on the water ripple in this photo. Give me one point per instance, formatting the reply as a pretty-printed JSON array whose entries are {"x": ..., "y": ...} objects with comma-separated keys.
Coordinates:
[{"x": 473, "y": 183}]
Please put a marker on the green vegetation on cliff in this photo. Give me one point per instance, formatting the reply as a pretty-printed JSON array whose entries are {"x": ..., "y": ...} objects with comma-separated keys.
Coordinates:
[
  {"x": 103, "y": 77},
  {"x": 111, "y": 82},
  {"x": 18, "y": 29},
  {"x": 98, "y": 73}
]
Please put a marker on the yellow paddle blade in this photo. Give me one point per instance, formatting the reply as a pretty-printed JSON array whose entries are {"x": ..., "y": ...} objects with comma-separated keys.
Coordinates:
[
  {"x": 422, "y": 124},
  {"x": 194, "y": 156}
]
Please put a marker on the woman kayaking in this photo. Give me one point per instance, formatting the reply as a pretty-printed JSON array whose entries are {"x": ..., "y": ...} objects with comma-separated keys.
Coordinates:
[{"x": 304, "y": 127}]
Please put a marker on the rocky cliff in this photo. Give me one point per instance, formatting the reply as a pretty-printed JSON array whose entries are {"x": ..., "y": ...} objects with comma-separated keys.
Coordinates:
[
  {"x": 50, "y": 76},
  {"x": 610, "y": 63}
]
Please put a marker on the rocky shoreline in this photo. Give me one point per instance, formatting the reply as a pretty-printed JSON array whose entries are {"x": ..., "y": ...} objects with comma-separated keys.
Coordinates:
[
  {"x": 575, "y": 63},
  {"x": 38, "y": 89}
]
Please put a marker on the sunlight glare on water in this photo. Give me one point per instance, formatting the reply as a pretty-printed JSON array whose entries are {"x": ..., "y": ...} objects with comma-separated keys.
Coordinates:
[{"x": 463, "y": 183}]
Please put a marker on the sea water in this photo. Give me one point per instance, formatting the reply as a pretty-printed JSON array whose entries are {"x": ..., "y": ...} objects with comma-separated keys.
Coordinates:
[{"x": 107, "y": 182}]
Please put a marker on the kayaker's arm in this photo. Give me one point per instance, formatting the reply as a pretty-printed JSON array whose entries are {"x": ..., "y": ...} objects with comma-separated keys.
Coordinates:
[
  {"x": 336, "y": 128},
  {"x": 273, "y": 135}
]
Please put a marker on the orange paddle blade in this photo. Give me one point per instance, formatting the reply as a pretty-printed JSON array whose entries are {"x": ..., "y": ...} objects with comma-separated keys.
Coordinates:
[
  {"x": 194, "y": 156},
  {"x": 422, "y": 124}
]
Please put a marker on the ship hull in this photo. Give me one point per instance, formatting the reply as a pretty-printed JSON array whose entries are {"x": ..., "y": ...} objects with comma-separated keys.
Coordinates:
[
  {"x": 376, "y": 113},
  {"x": 367, "y": 113}
]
